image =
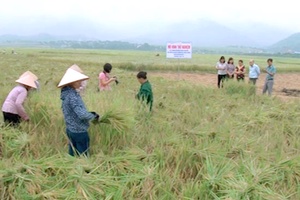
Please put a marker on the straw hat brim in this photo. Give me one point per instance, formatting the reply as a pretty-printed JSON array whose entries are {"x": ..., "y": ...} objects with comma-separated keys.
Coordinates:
[
  {"x": 27, "y": 80},
  {"x": 30, "y": 74},
  {"x": 76, "y": 68},
  {"x": 71, "y": 76}
]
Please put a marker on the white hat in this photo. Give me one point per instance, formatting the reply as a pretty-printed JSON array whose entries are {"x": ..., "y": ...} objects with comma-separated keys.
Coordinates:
[
  {"x": 27, "y": 80},
  {"x": 76, "y": 68},
  {"x": 71, "y": 76},
  {"x": 29, "y": 73}
]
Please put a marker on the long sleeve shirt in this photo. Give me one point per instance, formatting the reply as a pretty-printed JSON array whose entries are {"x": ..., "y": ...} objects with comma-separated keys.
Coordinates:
[
  {"x": 230, "y": 68},
  {"x": 254, "y": 71},
  {"x": 14, "y": 102},
  {"x": 104, "y": 77},
  {"x": 145, "y": 94},
  {"x": 75, "y": 113}
]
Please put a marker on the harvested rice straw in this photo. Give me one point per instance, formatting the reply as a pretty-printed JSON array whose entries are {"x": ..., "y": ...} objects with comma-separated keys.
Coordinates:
[{"x": 120, "y": 121}]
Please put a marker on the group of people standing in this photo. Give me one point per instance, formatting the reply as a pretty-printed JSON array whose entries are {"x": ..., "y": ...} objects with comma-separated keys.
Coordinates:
[
  {"x": 227, "y": 70},
  {"x": 76, "y": 116}
]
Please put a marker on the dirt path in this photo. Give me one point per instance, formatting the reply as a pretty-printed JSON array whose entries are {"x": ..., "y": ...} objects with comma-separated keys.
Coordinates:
[{"x": 282, "y": 81}]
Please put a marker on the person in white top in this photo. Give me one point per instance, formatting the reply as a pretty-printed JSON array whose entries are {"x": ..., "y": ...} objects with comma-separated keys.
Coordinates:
[
  {"x": 222, "y": 71},
  {"x": 254, "y": 72}
]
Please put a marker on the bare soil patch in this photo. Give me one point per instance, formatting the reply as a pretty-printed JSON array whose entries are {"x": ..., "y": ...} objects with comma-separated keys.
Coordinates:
[{"x": 286, "y": 86}]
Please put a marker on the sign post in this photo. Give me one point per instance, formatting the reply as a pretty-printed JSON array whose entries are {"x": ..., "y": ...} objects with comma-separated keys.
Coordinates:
[{"x": 179, "y": 50}]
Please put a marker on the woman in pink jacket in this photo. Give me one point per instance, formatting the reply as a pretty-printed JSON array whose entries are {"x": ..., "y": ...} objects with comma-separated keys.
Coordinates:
[
  {"x": 104, "y": 78},
  {"x": 12, "y": 108}
]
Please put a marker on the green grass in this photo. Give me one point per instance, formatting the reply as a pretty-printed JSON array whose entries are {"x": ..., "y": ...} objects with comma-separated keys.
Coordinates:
[
  {"x": 134, "y": 60},
  {"x": 199, "y": 142}
]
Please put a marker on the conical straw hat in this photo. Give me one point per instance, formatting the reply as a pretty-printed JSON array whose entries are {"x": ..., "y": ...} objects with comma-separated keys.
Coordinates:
[
  {"x": 71, "y": 76},
  {"x": 29, "y": 73},
  {"x": 27, "y": 80},
  {"x": 76, "y": 68}
]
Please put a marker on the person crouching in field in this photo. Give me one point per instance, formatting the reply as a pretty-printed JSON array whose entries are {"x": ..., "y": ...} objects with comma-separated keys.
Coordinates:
[
  {"x": 221, "y": 67},
  {"x": 83, "y": 85},
  {"x": 240, "y": 71},
  {"x": 269, "y": 82},
  {"x": 75, "y": 113},
  {"x": 145, "y": 94},
  {"x": 230, "y": 69},
  {"x": 104, "y": 79},
  {"x": 12, "y": 108}
]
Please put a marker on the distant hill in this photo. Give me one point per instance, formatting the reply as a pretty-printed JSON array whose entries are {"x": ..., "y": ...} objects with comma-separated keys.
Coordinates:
[
  {"x": 42, "y": 37},
  {"x": 208, "y": 33},
  {"x": 201, "y": 33},
  {"x": 45, "y": 40},
  {"x": 290, "y": 44}
]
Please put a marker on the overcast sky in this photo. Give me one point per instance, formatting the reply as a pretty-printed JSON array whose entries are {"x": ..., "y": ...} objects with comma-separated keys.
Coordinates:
[{"x": 126, "y": 13}]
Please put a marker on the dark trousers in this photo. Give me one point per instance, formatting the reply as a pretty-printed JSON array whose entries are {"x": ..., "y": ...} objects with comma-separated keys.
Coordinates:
[
  {"x": 11, "y": 119},
  {"x": 253, "y": 80},
  {"x": 221, "y": 78},
  {"x": 230, "y": 76},
  {"x": 78, "y": 143}
]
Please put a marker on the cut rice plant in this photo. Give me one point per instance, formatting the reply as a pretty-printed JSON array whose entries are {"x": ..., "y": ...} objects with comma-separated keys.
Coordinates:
[
  {"x": 118, "y": 120},
  {"x": 199, "y": 142}
]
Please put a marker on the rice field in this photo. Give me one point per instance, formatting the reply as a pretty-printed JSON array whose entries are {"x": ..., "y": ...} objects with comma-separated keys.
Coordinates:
[{"x": 199, "y": 143}]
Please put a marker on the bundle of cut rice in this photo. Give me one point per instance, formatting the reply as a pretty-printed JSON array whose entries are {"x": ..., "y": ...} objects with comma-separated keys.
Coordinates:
[{"x": 120, "y": 121}]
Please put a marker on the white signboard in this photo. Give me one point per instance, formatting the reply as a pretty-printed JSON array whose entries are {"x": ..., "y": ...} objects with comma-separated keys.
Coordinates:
[{"x": 179, "y": 50}]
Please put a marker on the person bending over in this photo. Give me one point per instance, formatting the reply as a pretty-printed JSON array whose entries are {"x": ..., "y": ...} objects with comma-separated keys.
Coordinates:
[{"x": 12, "y": 108}]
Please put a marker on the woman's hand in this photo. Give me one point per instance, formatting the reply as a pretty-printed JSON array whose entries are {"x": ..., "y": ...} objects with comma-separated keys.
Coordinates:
[{"x": 112, "y": 79}]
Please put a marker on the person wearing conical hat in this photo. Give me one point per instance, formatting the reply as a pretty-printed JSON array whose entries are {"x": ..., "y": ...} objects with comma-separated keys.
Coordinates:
[
  {"x": 12, "y": 108},
  {"x": 35, "y": 78},
  {"x": 76, "y": 68},
  {"x": 76, "y": 116},
  {"x": 82, "y": 88}
]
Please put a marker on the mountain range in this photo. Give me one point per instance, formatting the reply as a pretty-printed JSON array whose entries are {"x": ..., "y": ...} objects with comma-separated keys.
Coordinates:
[
  {"x": 201, "y": 33},
  {"x": 290, "y": 44},
  {"x": 208, "y": 33}
]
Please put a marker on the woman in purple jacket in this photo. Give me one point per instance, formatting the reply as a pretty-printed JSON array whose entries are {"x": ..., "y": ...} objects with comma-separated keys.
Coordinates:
[
  {"x": 12, "y": 108},
  {"x": 230, "y": 68}
]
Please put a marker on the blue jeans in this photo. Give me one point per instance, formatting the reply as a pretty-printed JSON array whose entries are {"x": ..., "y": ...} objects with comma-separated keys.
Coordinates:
[{"x": 79, "y": 143}]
